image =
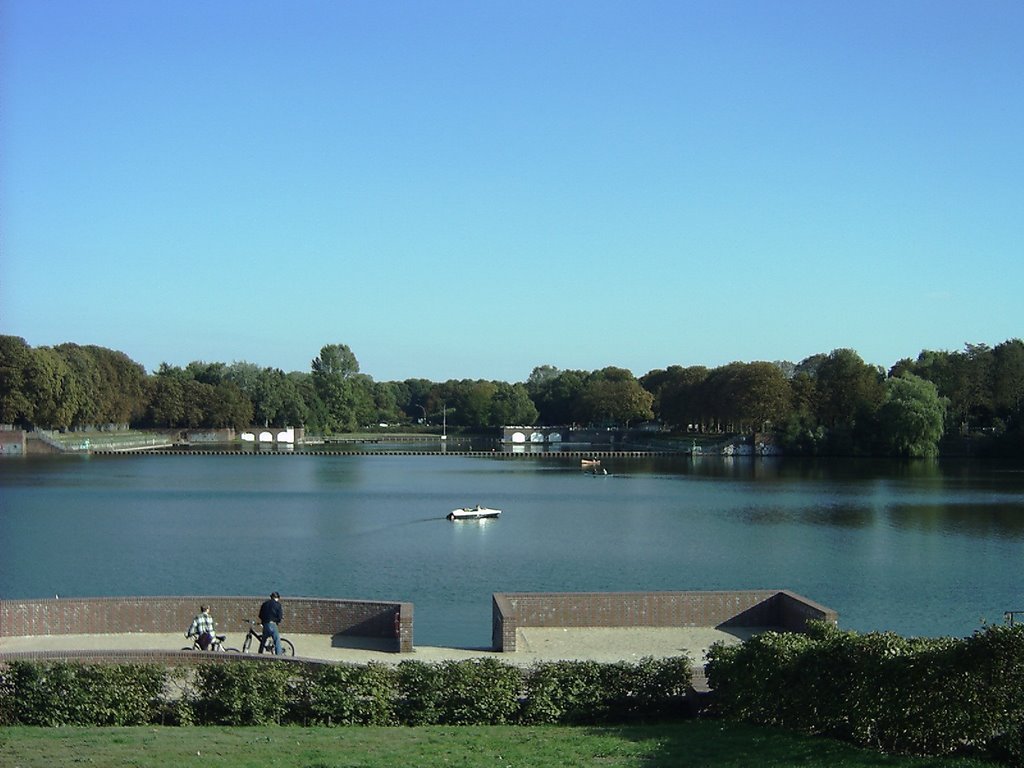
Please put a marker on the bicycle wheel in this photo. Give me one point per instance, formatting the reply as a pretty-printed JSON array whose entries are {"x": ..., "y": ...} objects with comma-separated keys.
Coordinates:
[
  {"x": 230, "y": 650},
  {"x": 247, "y": 643},
  {"x": 287, "y": 649}
]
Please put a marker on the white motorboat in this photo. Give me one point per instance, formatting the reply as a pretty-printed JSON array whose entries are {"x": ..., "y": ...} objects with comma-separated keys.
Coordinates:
[{"x": 473, "y": 513}]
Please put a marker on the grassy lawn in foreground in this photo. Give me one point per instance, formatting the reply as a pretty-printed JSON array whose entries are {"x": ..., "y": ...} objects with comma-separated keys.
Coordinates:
[{"x": 698, "y": 743}]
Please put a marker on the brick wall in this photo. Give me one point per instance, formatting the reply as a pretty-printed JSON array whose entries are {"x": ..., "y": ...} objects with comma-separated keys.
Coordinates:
[
  {"x": 116, "y": 615},
  {"x": 12, "y": 442},
  {"x": 750, "y": 608}
]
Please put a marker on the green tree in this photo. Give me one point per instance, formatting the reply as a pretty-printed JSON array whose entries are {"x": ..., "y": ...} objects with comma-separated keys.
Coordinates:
[
  {"x": 848, "y": 393},
  {"x": 293, "y": 410},
  {"x": 334, "y": 373},
  {"x": 230, "y": 407},
  {"x": 123, "y": 398},
  {"x": 802, "y": 431},
  {"x": 92, "y": 387},
  {"x": 556, "y": 394},
  {"x": 613, "y": 396},
  {"x": 475, "y": 406},
  {"x": 56, "y": 392},
  {"x": 364, "y": 406},
  {"x": 211, "y": 373},
  {"x": 1008, "y": 381},
  {"x": 971, "y": 394},
  {"x": 16, "y": 398},
  {"x": 386, "y": 396},
  {"x": 308, "y": 410},
  {"x": 848, "y": 389},
  {"x": 511, "y": 404},
  {"x": 417, "y": 399},
  {"x": 165, "y": 398},
  {"x": 679, "y": 396},
  {"x": 198, "y": 398},
  {"x": 763, "y": 394},
  {"x": 911, "y": 416}
]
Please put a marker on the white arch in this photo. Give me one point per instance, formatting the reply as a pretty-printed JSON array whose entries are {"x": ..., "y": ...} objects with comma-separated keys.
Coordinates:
[
  {"x": 266, "y": 437},
  {"x": 537, "y": 437},
  {"x": 518, "y": 437}
]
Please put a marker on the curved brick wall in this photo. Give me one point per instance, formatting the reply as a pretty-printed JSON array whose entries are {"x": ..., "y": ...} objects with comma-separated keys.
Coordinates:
[
  {"x": 116, "y": 615},
  {"x": 744, "y": 608}
]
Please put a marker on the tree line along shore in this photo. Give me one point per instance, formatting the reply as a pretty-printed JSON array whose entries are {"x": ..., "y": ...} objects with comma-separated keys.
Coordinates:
[{"x": 826, "y": 404}]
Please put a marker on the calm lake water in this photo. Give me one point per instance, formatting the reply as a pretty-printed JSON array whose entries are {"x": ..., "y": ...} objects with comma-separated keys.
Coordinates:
[{"x": 920, "y": 549}]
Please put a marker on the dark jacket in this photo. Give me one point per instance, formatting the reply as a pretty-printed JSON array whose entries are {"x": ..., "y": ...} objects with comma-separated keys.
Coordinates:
[{"x": 271, "y": 611}]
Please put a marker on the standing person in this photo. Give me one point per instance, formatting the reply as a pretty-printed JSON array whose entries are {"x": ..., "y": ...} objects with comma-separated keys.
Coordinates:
[
  {"x": 202, "y": 627},
  {"x": 271, "y": 614}
]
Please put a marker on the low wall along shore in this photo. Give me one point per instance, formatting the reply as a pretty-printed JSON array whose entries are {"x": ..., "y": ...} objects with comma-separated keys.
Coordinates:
[
  {"x": 392, "y": 621},
  {"x": 117, "y": 615},
  {"x": 776, "y": 609}
]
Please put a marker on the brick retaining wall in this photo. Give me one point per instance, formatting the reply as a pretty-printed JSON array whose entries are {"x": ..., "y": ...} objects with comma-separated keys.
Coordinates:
[
  {"x": 116, "y": 615},
  {"x": 781, "y": 609}
]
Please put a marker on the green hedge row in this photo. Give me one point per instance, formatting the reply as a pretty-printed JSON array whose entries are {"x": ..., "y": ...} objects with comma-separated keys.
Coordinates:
[
  {"x": 474, "y": 692},
  {"x": 925, "y": 696}
]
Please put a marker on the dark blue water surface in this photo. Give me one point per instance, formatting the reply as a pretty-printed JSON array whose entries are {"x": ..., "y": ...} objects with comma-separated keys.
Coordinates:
[{"x": 920, "y": 549}]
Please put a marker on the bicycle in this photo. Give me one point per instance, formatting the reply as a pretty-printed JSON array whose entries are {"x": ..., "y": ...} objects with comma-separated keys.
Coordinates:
[
  {"x": 216, "y": 645},
  {"x": 264, "y": 643}
]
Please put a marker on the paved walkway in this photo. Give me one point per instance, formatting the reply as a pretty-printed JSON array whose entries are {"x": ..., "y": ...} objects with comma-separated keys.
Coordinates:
[{"x": 534, "y": 645}]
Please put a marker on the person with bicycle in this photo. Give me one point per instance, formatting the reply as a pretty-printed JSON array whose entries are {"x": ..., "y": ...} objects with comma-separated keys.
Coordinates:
[
  {"x": 271, "y": 614},
  {"x": 202, "y": 628}
]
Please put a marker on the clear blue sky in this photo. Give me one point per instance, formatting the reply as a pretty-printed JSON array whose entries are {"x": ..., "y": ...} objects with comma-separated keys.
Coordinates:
[{"x": 472, "y": 189}]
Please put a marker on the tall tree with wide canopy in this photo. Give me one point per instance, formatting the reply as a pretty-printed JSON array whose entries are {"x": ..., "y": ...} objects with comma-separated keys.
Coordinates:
[
  {"x": 764, "y": 396},
  {"x": 848, "y": 389},
  {"x": 16, "y": 397},
  {"x": 56, "y": 393},
  {"x": 124, "y": 385},
  {"x": 511, "y": 405},
  {"x": 911, "y": 417},
  {"x": 334, "y": 373},
  {"x": 556, "y": 393},
  {"x": 94, "y": 389},
  {"x": 679, "y": 397},
  {"x": 228, "y": 407},
  {"x": 165, "y": 398},
  {"x": 1008, "y": 381},
  {"x": 613, "y": 396},
  {"x": 312, "y": 414}
]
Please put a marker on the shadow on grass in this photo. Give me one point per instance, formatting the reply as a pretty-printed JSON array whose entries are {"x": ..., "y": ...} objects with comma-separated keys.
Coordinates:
[{"x": 717, "y": 744}]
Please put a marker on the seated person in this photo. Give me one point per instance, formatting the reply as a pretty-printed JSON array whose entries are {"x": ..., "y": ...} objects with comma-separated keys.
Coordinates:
[{"x": 202, "y": 628}]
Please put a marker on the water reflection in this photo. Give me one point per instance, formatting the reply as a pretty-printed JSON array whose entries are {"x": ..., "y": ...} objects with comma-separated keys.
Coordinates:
[
  {"x": 1004, "y": 520},
  {"x": 838, "y": 515}
]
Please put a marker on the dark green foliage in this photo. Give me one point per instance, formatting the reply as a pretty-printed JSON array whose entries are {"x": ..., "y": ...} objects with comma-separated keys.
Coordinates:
[
  {"x": 419, "y": 693},
  {"x": 241, "y": 694},
  {"x": 471, "y": 692},
  {"x": 479, "y": 692},
  {"x": 587, "y": 692},
  {"x": 567, "y": 692},
  {"x": 905, "y": 695},
  {"x": 63, "y": 693},
  {"x": 655, "y": 688},
  {"x": 346, "y": 694}
]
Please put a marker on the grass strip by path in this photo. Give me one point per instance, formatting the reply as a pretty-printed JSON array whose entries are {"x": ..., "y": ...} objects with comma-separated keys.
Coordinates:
[{"x": 698, "y": 743}]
